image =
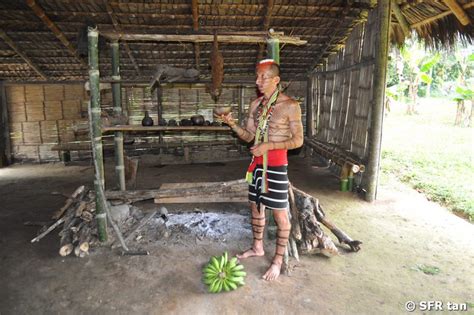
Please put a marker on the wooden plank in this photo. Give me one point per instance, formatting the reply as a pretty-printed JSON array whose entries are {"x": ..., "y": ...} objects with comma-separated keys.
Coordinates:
[
  {"x": 200, "y": 199},
  {"x": 200, "y": 184},
  {"x": 164, "y": 128}
]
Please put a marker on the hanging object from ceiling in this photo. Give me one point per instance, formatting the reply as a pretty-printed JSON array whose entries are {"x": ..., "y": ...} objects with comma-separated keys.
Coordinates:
[{"x": 217, "y": 71}]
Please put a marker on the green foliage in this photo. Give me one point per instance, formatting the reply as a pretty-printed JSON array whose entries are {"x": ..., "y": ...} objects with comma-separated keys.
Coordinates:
[
  {"x": 464, "y": 94},
  {"x": 441, "y": 70},
  {"x": 429, "y": 153}
]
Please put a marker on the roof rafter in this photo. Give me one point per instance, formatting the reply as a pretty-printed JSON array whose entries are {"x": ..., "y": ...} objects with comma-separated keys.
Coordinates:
[
  {"x": 401, "y": 19},
  {"x": 110, "y": 12},
  {"x": 52, "y": 26},
  {"x": 458, "y": 11},
  {"x": 440, "y": 16},
  {"x": 13, "y": 46},
  {"x": 195, "y": 11}
]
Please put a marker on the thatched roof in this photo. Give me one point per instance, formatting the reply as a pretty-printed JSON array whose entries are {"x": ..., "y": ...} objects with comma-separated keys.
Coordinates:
[{"x": 40, "y": 38}]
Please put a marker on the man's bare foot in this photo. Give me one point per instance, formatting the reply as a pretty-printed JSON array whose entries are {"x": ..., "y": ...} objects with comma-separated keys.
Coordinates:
[
  {"x": 250, "y": 253},
  {"x": 273, "y": 272}
]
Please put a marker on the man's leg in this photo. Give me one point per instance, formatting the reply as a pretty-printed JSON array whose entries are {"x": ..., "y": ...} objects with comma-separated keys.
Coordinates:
[
  {"x": 283, "y": 233},
  {"x": 258, "y": 225}
]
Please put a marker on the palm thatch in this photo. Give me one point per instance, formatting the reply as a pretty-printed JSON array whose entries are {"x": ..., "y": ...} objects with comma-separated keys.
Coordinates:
[{"x": 43, "y": 38}]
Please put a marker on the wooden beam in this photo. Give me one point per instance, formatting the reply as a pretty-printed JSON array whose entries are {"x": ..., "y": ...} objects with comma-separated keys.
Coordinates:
[
  {"x": 56, "y": 31},
  {"x": 401, "y": 19},
  {"x": 440, "y": 16},
  {"x": 458, "y": 11},
  {"x": 242, "y": 39},
  {"x": 265, "y": 27},
  {"x": 137, "y": 128},
  {"x": 195, "y": 10},
  {"x": 13, "y": 46},
  {"x": 110, "y": 12},
  {"x": 5, "y": 146}
]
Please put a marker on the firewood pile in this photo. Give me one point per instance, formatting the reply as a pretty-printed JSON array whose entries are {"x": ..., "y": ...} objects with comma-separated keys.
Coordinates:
[
  {"x": 77, "y": 218},
  {"x": 79, "y": 231}
]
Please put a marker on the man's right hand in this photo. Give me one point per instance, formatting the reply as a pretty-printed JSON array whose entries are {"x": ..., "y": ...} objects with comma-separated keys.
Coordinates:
[{"x": 228, "y": 119}]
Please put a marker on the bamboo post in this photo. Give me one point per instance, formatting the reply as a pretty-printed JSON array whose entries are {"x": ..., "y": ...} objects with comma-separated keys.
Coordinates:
[
  {"x": 117, "y": 101},
  {"x": 96, "y": 132},
  {"x": 159, "y": 109},
  {"x": 309, "y": 107},
  {"x": 375, "y": 130},
  {"x": 273, "y": 52},
  {"x": 273, "y": 49}
]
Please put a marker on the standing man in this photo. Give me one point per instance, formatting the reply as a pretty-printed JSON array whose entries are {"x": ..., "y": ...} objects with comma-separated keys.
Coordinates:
[{"x": 274, "y": 125}]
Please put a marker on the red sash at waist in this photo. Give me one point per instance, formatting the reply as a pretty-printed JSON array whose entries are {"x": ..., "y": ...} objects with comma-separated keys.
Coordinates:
[{"x": 277, "y": 157}]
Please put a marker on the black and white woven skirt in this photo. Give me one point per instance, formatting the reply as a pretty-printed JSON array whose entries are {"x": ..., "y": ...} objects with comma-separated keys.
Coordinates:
[{"x": 277, "y": 196}]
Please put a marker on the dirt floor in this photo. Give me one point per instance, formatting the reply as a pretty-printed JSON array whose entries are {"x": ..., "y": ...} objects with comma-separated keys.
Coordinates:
[{"x": 402, "y": 235}]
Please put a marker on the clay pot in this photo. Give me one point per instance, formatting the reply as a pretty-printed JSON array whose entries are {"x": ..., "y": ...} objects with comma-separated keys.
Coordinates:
[
  {"x": 172, "y": 123},
  {"x": 162, "y": 122},
  {"x": 186, "y": 122},
  {"x": 207, "y": 123},
  {"x": 198, "y": 120},
  {"x": 147, "y": 121}
]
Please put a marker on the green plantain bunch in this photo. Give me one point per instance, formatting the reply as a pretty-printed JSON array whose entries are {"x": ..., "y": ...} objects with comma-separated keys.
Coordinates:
[{"x": 223, "y": 274}]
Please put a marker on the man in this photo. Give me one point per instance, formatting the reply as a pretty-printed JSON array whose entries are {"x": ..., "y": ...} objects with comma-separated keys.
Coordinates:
[{"x": 274, "y": 125}]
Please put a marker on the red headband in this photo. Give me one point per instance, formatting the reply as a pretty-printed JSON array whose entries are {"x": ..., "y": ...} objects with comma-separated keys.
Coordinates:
[{"x": 266, "y": 63}]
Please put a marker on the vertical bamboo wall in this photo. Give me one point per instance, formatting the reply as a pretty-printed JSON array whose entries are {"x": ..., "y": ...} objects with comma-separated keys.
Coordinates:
[
  {"x": 44, "y": 115},
  {"x": 343, "y": 92}
]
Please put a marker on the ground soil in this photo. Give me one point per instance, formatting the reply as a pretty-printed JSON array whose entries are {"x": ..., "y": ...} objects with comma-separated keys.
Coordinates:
[{"x": 401, "y": 232}]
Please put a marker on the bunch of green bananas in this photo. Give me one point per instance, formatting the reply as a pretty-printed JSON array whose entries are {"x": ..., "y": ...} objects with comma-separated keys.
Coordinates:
[{"x": 221, "y": 273}]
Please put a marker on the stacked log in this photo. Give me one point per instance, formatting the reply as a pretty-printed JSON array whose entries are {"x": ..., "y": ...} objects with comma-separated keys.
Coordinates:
[{"x": 79, "y": 230}]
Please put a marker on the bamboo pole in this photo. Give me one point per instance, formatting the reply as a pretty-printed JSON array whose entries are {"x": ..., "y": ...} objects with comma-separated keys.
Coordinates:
[
  {"x": 380, "y": 70},
  {"x": 117, "y": 101},
  {"x": 273, "y": 49},
  {"x": 309, "y": 107},
  {"x": 96, "y": 132}
]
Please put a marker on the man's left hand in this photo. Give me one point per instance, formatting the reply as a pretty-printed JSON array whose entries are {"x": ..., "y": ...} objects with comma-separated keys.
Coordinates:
[{"x": 260, "y": 149}]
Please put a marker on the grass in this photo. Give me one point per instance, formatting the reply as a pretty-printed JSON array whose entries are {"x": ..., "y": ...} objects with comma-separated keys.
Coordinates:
[{"x": 432, "y": 155}]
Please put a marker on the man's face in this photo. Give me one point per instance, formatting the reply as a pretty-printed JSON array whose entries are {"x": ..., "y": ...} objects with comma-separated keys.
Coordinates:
[{"x": 266, "y": 82}]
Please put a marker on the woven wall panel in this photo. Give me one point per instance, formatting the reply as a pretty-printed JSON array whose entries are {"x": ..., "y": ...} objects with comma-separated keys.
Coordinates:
[
  {"x": 34, "y": 111},
  {"x": 16, "y": 133},
  {"x": 53, "y": 110},
  {"x": 49, "y": 131},
  {"x": 66, "y": 131},
  {"x": 34, "y": 93},
  {"x": 26, "y": 153},
  {"x": 31, "y": 133},
  {"x": 15, "y": 94},
  {"x": 72, "y": 109},
  {"x": 54, "y": 92},
  {"x": 16, "y": 112},
  {"x": 74, "y": 92}
]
